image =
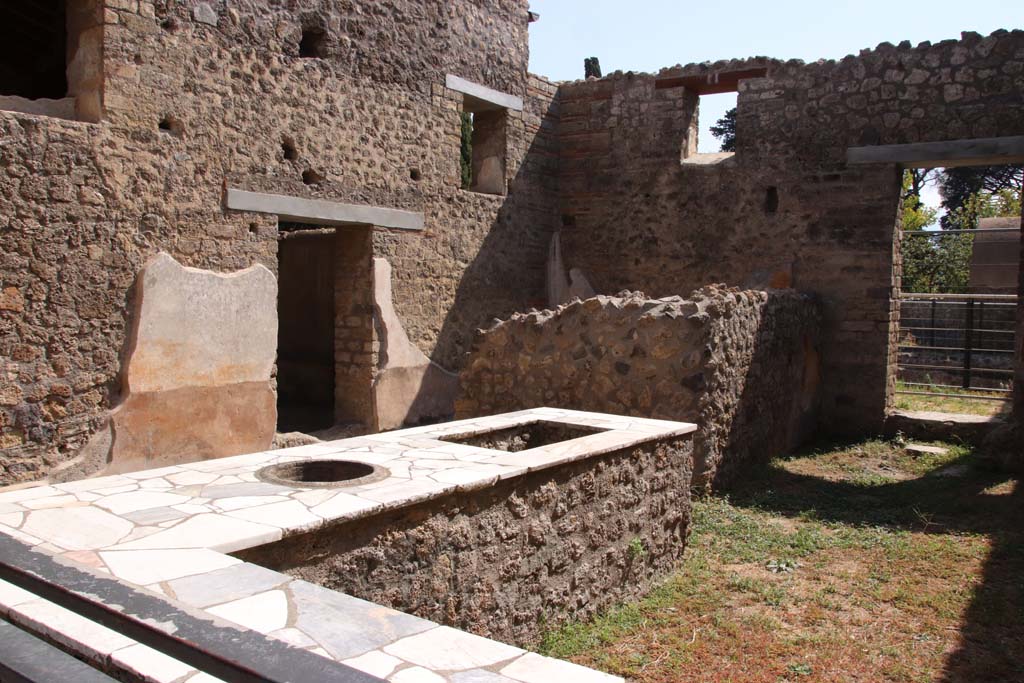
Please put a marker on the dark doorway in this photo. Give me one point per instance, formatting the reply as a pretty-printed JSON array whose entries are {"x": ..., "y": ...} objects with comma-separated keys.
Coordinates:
[{"x": 305, "y": 341}]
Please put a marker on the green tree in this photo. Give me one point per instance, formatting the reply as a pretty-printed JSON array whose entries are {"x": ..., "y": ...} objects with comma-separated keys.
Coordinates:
[
  {"x": 938, "y": 261},
  {"x": 725, "y": 130},
  {"x": 959, "y": 185},
  {"x": 921, "y": 258},
  {"x": 466, "y": 150}
]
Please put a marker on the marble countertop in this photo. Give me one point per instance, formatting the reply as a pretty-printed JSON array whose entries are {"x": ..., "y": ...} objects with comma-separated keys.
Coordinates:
[{"x": 168, "y": 531}]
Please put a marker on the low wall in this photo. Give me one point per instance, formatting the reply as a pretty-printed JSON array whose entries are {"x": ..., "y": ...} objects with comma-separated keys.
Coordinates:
[
  {"x": 507, "y": 561},
  {"x": 743, "y": 365}
]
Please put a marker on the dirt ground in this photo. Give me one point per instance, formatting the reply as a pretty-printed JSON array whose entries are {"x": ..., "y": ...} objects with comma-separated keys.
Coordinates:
[{"x": 852, "y": 563}]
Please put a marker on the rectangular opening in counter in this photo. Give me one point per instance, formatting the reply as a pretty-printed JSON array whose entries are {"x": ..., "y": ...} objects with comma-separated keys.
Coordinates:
[{"x": 522, "y": 437}]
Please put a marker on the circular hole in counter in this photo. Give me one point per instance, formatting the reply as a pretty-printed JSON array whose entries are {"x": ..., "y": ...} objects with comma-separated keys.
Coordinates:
[{"x": 322, "y": 473}]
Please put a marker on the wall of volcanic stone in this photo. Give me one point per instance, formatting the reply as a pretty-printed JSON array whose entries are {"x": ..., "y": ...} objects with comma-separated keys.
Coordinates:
[
  {"x": 202, "y": 95},
  {"x": 786, "y": 210},
  {"x": 742, "y": 365}
]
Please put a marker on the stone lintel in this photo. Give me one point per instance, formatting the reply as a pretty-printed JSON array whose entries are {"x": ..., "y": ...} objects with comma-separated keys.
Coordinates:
[
  {"x": 322, "y": 212},
  {"x": 482, "y": 97},
  {"x": 949, "y": 153}
]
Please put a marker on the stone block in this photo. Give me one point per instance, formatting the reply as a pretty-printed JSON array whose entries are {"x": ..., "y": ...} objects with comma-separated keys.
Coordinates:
[
  {"x": 156, "y": 429},
  {"x": 197, "y": 328}
]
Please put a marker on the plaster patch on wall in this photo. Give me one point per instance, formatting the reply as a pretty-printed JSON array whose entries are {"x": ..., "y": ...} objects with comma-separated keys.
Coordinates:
[
  {"x": 197, "y": 376},
  {"x": 409, "y": 387}
]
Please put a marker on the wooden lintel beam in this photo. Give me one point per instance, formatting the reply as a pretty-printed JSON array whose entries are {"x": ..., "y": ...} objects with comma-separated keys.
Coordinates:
[
  {"x": 946, "y": 154},
  {"x": 711, "y": 83}
]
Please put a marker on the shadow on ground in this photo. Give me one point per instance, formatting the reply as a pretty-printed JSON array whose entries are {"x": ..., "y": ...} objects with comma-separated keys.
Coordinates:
[{"x": 951, "y": 499}]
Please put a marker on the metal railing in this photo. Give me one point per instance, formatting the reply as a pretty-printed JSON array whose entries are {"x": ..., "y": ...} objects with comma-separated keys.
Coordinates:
[{"x": 961, "y": 343}]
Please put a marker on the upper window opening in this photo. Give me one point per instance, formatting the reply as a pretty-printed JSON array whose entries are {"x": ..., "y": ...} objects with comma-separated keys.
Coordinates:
[
  {"x": 51, "y": 58},
  {"x": 712, "y": 97},
  {"x": 484, "y": 134},
  {"x": 313, "y": 44},
  {"x": 716, "y": 120},
  {"x": 711, "y": 137},
  {"x": 482, "y": 152},
  {"x": 33, "y": 50}
]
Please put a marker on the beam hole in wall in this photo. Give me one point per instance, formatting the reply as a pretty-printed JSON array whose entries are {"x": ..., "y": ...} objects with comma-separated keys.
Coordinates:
[
  {"x": 415, "y": 175},
  {"x": 306, "y": 321},
  {"x": 311, "y": 177},
  {"x": 313, "y": 43},
  {"x": 771, "y": 200},
  {"x": 51, "y": 58},
  {"x": 171, "y": 125},
  {"x": 291, "y": 153}
]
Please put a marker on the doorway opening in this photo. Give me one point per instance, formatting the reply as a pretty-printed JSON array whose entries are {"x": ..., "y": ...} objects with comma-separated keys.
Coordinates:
[
  {"x": 957, "y": 270},
  {"x": 306, "y": 322}
]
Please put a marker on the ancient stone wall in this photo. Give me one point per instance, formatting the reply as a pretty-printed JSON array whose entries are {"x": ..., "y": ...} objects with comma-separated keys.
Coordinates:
[
  {"x": 202, "y": 95},
  {"x": 742, "y": 365},
  {"x": 509, "y": 560},
  {"x": 786, "y": 209},
  {"x": 347, "y": 102}
]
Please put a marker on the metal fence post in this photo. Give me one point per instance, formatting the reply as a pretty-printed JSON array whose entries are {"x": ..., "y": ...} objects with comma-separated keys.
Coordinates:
[
  {"x": 968, "y": 343},
  {"x": 934, "y": 302}
]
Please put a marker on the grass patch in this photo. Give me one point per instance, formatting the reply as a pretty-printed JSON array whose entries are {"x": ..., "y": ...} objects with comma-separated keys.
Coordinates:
[
  {"x": 851, "y": 562},
  {"x": 940, "y": 401}
]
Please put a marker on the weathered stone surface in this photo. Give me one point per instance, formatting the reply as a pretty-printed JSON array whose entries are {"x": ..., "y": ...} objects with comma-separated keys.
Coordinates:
[
  {"x": 62, "y": 108},
  {"x": 634, "y": 217},
  {"x": 935, "y": 426},
  {"x": 346, "y": 626},
  {"x": 82, "y": 208},
  {"x": 153, "y": 429},
  {"x": 205, "y": 14},
  {"x": 565, "y": 542},
  {"x": 409, "y": 395},
  {"x": 742, "y": 365},
  {"x": 558, "y": 281},
  {"x": 197, "y": 376},
  {"x": 197, "y": 328},
  {"x": 409, "y": 387},
  {"x": 922, "y": 449}
]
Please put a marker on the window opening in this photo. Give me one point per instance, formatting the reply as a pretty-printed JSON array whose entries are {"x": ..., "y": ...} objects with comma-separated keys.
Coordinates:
[
  {"x": 51, "y": 58},
  {"x": 483, "y": 147}
]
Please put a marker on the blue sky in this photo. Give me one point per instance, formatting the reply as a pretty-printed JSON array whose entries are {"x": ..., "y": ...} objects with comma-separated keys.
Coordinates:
[{"x": 645, "y": 35}]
